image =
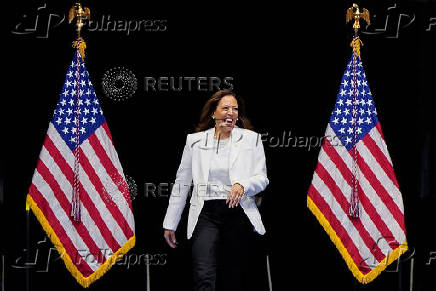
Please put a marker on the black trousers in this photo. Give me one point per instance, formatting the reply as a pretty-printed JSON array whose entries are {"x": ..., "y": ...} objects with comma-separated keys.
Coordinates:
[{"x": 220, "y": 248}]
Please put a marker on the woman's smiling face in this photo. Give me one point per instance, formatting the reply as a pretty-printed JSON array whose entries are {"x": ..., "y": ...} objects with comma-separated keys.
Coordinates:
[{"x": 226, "y": 113}]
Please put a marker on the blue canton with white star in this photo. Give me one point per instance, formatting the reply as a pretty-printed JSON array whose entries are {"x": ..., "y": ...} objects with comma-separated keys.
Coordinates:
[
  {"x": 89, "y": 111},
  {"x": 341, "y": 120}
]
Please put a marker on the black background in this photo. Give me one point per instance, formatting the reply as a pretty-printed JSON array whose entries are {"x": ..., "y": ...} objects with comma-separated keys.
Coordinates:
[{"x": 286, "y": 61}]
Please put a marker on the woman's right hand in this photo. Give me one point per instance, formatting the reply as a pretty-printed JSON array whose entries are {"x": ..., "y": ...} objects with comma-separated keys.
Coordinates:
[{"x": 170, "y": 237}]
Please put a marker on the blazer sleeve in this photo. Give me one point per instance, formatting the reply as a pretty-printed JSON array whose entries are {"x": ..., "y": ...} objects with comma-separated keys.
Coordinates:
[
  {"x": 258, "y": 181},
  {"x": 180, "y": 189}
]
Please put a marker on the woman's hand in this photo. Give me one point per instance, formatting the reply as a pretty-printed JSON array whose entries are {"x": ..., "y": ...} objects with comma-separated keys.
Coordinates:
[
  {"x": 170, "y": 237},
  {"x": 235, "y": 195}
]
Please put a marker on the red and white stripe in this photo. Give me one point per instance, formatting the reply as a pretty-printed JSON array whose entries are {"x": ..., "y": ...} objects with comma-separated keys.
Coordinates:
[
  {"x": 380, "y": 228},
  {"x": 107, "y": 217}
]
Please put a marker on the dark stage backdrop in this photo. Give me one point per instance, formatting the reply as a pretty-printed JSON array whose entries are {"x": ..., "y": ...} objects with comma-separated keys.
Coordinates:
[{"x": 285, "y": 61}]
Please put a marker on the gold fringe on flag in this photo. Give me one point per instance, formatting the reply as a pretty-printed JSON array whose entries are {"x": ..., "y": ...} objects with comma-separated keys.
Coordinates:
[
  {"x": 362, "y": 278},
  {"x": 84, "y": 281}
]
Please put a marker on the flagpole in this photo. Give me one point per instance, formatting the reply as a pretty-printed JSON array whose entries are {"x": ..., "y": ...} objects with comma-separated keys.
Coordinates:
[
  {"x": 412, "y": 262},
  {"x": 147, "y": 271},
  {"x": 80, "y": 13},
  {"x": 400, "y": 275},
  {"x": 27, "y": 246},
  {"x": 3, "y": 273},
  {"x": 268, "y": 270}
]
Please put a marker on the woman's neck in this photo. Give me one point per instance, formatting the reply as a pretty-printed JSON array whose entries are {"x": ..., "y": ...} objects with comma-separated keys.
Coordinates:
[{"x": 222, "y": 135}]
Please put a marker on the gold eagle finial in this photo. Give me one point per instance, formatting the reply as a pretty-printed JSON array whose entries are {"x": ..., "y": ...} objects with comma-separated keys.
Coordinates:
[
  {"x": 354, "y": 13},
  {"x": 80, "y": 13}
]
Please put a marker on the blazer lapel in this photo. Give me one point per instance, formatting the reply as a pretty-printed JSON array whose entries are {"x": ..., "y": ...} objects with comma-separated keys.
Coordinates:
[
  {"x": 235, "y": 145},
  {"x": 206, "y": 149}
]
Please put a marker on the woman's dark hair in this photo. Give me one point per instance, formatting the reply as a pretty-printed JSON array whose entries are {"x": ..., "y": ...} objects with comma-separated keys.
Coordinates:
[{"x": 206, "y": 120}]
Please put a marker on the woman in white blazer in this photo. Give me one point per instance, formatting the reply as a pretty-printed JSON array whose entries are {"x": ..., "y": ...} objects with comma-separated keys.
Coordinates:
[{"x": 225, "y": 162}]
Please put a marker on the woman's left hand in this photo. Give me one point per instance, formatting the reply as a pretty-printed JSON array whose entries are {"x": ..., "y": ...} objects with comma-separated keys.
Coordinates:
[{"x": 235, "y": 195}]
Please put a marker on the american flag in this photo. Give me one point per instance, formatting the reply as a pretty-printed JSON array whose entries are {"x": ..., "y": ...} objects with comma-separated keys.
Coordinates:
[
  {"x": 354, "y": 157},
  {"x": 78, "y": 144}
]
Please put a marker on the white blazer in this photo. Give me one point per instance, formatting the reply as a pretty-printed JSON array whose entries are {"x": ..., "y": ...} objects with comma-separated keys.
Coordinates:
[{"x": 246, "y": 167}]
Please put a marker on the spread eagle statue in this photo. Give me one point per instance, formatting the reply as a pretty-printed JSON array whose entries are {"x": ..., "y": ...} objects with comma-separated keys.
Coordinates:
[
  {"x": 354, "y": 13},
  {"x": 80, "y": 13},
  {"x": 77, "y": 12}
]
